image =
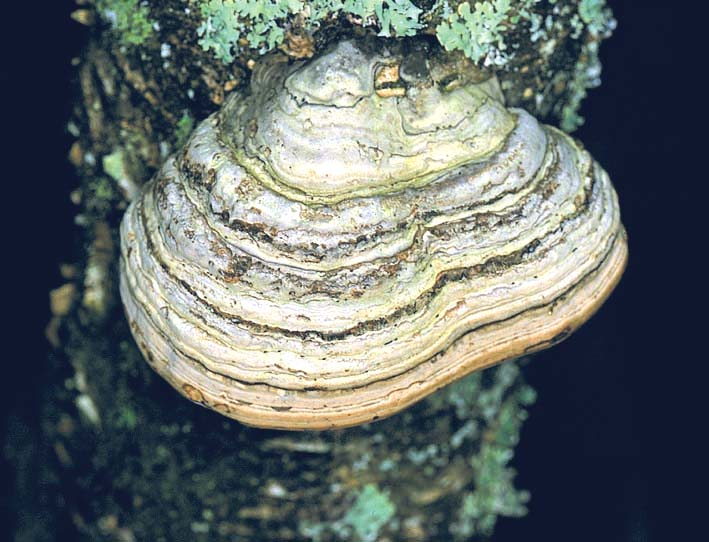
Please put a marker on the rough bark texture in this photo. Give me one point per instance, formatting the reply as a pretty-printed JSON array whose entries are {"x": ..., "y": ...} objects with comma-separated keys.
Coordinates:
[{"x": 129, "y": 459}]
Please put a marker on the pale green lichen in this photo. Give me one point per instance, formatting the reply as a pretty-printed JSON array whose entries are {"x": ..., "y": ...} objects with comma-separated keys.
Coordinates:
[
  {"x": 494, "y": 493},
  {"x": 595, "y": 14},
  {"x": 226, "y": 21},
  {"x": 114, "y": 164},
  {"x": 486, "y": 31},
  {"x": 479, "y": 30},
  {"x": 600, "y": 23},
  {"x": 492, "y": 406},
  {"x": 121, "y": 166},
  {"x": 260, "y": 23},
  {"x": 130, "y": 19},
  {"x": 371, "y": 510}
]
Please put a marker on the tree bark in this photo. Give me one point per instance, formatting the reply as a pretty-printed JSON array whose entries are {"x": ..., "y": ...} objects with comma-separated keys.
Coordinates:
[{"x": 129, "y": 459}]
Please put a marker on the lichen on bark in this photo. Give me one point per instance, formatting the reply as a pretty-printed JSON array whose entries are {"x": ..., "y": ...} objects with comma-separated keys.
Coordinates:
[{"x": 131, "y": 459}]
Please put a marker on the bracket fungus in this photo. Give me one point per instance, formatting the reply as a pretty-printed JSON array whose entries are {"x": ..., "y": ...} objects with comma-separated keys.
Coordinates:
[{"x": 357, "y": 231}]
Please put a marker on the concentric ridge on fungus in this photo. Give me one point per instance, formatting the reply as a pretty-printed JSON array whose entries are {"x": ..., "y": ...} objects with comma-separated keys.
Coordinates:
[{"x": 358, "y": 231}]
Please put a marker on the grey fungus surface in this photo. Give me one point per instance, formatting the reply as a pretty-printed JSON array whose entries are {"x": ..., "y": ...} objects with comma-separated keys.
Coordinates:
[{"x": 353, "y": 234}]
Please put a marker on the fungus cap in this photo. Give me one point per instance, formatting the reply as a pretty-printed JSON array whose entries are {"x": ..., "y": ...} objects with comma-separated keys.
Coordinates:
[{"x": 357, "y": 231}]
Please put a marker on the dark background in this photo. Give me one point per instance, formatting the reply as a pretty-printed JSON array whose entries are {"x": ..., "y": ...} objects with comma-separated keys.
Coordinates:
[{"x": 609, "y": 452}]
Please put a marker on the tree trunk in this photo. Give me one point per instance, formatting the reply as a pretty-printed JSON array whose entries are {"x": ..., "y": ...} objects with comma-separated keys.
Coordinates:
[{"x": 131, "y": 459}]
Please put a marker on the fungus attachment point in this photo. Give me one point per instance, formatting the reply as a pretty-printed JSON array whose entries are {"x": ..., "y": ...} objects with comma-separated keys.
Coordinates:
[{"x": 346, "y": 238}]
